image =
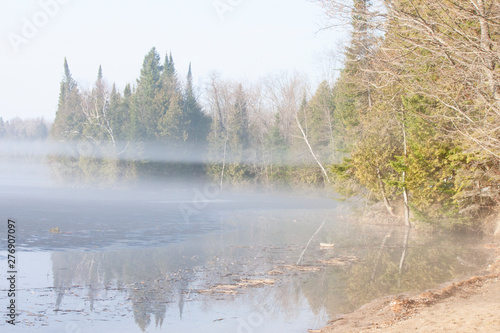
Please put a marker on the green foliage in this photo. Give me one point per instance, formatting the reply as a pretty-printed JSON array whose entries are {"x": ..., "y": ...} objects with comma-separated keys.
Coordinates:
[
  {"x": 317, "y": 115},
  {"x": 69, "y": 120},
  {"x": 145, "y": 107},
  {"x": 199, "y": 123},
  {"x": 379, "y": 135},
  {"x": 344, "y": 181},
  {"x": 347, "y": 110},
  {"x": 399, "y": 110},
  {"x": 229, "y": 141},
  {"x": 157, "y": 118},
  {"x": 275, "y": 143}
]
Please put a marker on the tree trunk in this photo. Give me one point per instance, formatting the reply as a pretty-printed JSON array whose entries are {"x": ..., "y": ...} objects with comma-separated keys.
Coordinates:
[
  {"x": 405, "y": 250},
  {"x": 384, "y": 195},
  {"x": 379, "y": 256},
  {"x": 311, "y": 150},
  {"x": 405, "y": 190},
  {"x": 223, "y": 164},
  {"x": 487, "y": 47}
]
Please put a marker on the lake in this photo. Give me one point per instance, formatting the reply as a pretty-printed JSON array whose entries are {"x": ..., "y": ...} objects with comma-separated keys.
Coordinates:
[{"x": 188, "y": 257}]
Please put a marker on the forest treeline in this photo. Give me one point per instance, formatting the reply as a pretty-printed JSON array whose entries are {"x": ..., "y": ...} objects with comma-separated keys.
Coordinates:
[
  {"x": 18, "y": 129},
  {"x": 158, "y": 127},
  {"x": 412, "y": 120}
]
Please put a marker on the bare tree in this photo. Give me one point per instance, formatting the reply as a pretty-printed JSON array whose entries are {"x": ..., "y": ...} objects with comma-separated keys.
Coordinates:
[
  {"x": 284, "y": 95},
  {"x": 95, "y": 106},
  {"x": 455, "y": 46},
  {"x": 304, "y": 136}
]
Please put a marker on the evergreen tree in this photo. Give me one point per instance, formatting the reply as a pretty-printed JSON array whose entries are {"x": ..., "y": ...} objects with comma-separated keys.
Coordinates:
[
  {"x": 69, "y": 120},
  {"x": 145, "y": 113},
  {"x": 172, "y": 126},
  {"x": 317, "y": 119},
  {"x": 238, "y": 123},
  {"x": 353, "y": 91},
  {"x": 322, "y": 130},
  {"x": 114, "y": 104},
  {"x": 96, "y": 109},
  {"x": 275, "y": 154},
  {"x": 119, "y": 111},
  {"x": 237, "y": 136},
  {"x": 169, "y": 75},
  {"x": 198, "y": 123},
  {"x": 40, "y": 130}
]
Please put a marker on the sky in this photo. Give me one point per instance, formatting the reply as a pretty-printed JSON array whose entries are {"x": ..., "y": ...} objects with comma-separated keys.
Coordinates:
[{"x": 242, "y": 40}]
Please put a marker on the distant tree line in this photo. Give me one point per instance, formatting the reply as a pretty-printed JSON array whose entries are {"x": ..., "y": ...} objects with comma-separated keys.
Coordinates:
[
  {"x": 159, "y": 128},
  {"x": 411, "y": 120},
  {"x": 18, "y": 129},
  {"x": 117, "y": 135}
]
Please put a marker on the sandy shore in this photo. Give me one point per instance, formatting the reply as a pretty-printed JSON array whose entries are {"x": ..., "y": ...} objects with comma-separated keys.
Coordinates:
[{"x": 469, "y": 305}]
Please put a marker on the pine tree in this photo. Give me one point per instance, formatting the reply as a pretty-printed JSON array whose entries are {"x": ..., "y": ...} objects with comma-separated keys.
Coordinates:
[
  {"x": 169, "y": 72},
  {"x": 119, "y": 110},
  {"x": 198, "y": 123},
  {"x": 274, "y": 154},
  {"x": 39, "y": 130},
  {"x": 353, "y": 91},
  {"x": 238, "y": 139},
  {"x": 114, "y": 104},
  {"x": 238, "y": 123},
  {"x": 172, "y": 126},
  {"x": 69, "y": 120},
  {"x": 145, "y": 113},
  {"x": 321, "y": 129}
]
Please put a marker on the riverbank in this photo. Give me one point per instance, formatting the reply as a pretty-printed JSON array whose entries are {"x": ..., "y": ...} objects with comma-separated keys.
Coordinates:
[{"x": 468, "y": 305}]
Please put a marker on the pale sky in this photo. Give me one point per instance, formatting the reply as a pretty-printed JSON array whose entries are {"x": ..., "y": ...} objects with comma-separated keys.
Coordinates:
[{"x": 240, "y": 39}]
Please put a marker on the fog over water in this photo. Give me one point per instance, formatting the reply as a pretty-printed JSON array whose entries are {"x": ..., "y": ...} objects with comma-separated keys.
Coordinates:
[
  {"x": 172, "y": 255},
  {"x": 37, "y": 152},
  {"x": 240, "y": 166}
]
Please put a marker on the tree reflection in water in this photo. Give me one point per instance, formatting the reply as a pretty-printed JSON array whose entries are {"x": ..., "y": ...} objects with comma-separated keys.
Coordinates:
[{"x": 155, "y": 281}]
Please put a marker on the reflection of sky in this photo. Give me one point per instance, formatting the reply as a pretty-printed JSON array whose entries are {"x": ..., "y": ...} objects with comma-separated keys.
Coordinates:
[
  {"x": 256, "y": 309},
  {"x": 111, "y": 288},
  {"x": 236, "y": 314},
  {"x": 34, "y": 270},
  {"x": 241, "y": 249}
]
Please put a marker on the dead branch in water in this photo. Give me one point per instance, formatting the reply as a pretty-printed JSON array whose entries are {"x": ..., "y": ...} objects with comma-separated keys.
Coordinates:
[{"x": 302, "y": 254}]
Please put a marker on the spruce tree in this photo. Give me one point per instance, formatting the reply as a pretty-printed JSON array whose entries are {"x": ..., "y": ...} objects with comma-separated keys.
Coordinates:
[
  {"x": 115, "y": 113},
  {"x": 321, "y": 126},
  {"x": 145, "y": 113},
  {"x": 353, "y": 91},
  {"x": 238, "y": 122},
  {"x": 198, "y": 123},
  {"x": 172, "y": 122},
  {"x": 69, "y": 120}
]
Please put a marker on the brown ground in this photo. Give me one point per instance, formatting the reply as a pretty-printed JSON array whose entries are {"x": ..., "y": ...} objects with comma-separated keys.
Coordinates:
[{"x": 470, "y": 305}]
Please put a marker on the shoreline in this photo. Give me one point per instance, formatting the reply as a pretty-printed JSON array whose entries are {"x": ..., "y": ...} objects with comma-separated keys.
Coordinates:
[{"x": 461, "y": 305}]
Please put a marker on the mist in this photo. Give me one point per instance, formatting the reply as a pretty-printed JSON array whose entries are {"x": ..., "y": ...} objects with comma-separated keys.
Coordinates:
[{"x": 166, "y": 196}]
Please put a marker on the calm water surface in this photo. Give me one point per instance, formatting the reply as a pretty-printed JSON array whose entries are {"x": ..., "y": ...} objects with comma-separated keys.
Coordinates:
[{"x": 190, "y": 259}]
